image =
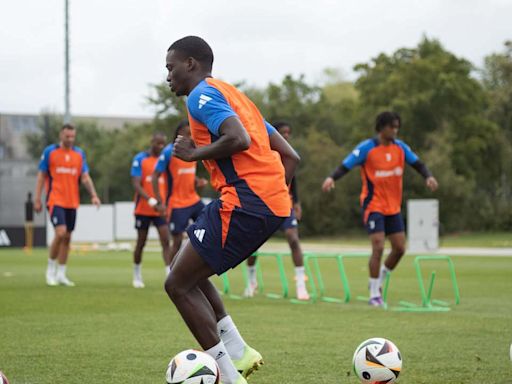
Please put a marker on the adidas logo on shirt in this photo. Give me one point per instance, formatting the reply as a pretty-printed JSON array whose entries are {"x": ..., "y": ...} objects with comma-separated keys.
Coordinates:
[
  {"x": 199, "y": 233},
  {"x": 203, "y": 99}
]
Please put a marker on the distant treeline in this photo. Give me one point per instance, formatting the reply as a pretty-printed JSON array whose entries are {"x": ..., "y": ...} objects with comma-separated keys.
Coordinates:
[{"x": 456, "y": 117}]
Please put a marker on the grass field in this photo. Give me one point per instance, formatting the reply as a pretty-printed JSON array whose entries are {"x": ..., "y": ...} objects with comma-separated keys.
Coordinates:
[{"x": 104, "y": 331}]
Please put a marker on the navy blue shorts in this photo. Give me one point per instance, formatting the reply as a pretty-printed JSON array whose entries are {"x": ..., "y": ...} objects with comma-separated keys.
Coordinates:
[
  {"x": 290, "y": 222},
  {"x": 224, "y": 237},
  {"x": 63, "y": 216},
  {"x": 180, "y": 217},
  {"x": 143, "y": 222},
  {"x": 377, "y": 222}
]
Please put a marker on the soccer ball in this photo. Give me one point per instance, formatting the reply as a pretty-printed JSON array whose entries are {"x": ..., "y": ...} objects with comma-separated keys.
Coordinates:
[
  {"x": 3, "y": 379},
  {"x": 377, "y": 360},
  {"x": 192, "y": 367}
]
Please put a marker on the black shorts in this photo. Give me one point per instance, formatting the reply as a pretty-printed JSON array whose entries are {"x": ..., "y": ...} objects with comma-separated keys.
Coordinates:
[{"x": 224, "y": 236}]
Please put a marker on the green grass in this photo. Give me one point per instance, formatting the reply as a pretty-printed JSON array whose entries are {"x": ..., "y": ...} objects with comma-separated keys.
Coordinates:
[
  {"x": 104, "y": 331},
  {"x": 462, "y": 239}
]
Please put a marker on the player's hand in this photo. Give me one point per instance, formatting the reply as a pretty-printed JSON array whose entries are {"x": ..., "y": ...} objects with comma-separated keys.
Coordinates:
[
  {"x": 184, "y": 148},
  {"x": 161, "y": 209},
  {"x": 96, "y": 201},
  {"x": 432, "y": 183},
  {"x": 201, "y": 182},
  {"x": 297, "y": 208},
  {"x": 328, "y": 184},
  {"x": 38, "y": 206}
]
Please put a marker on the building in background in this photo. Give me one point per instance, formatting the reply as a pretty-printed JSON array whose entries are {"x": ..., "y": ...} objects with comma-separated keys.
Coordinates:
[{"x": 18, "y": 171}]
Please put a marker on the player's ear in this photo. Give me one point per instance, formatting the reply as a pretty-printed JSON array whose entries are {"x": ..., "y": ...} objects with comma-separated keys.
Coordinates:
[{"x": 191, "y": 64}]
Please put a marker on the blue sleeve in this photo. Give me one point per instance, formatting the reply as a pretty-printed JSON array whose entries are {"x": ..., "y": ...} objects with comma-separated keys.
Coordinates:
[
  {"x": 410, "y": 156},
  {"x": 85, "y": 166},
  {"x": 163, "y": 159},
  {"x": 270, "y": 128},
  {"x": 208, "y": 105},
  {"x": 358, "y": 155},
  {"x": 44, "y": 163},
  {"x": 136, "y": 170}
]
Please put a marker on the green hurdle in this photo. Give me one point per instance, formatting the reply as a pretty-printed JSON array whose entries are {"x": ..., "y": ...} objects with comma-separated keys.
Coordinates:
[
  {"x": 319, "y": 294},
  {"x": 427, "y": 303},
  {"x": 282, "y": 274},
  {"x": 226, "y": 285}
]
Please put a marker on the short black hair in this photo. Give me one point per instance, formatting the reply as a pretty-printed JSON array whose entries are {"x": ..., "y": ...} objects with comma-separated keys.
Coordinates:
[
  {"x": 280, "y": 124},
  {"x": 158, "y": 133},
  {"x": 386, "y": 118},
  {"x": 193, "y": 46},
  {"x": 182, "y": 124},
  {"x": 69, "y": 126}
]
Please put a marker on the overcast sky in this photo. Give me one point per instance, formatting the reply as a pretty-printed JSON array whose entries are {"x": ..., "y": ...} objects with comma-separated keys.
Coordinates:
[{"x": 118, "y": 46}]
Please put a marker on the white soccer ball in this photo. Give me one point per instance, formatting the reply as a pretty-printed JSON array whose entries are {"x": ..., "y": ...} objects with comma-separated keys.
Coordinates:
[
  {"x": 192, "y": 367},
  {"x": 377, "y": 360}
]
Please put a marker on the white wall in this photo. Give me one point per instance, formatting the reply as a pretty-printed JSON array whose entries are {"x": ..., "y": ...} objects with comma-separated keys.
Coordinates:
[
  {"x": 124, "y": 222},
  {"x": 92, "y": 225},
  {"x": 423, "y": 225}
]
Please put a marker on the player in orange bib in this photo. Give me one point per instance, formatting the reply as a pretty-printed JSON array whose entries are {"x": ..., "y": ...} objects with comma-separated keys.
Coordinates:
[
  {"x": 382, "y": 160},
  {"x": 183, "y": 203},
  {"x": 250, "y": 165},
  {"x": 290, "y": 227},
  {"x": 62, "y": 167},
  {"x": 146, "y": 210}
]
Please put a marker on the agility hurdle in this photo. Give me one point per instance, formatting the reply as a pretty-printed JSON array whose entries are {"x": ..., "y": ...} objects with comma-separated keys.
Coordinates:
[
  {"x": 427, "y": 303},
  {"x": 316, "y": 273}
]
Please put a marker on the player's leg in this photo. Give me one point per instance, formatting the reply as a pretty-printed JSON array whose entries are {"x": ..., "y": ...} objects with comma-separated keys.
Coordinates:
[
  {"x": 188, "y": 272},
  {"x": 177, "y": 240},
  {"x": 177, "y": 224},
  {"x": 142, "y": 227},
  {"x": 375, "y": 228},
  {"x": 395, "y": 231},
  {"x": 51, "y": 269},
  {"x": 163, "y": 234},
  {"x": 65, "y": 246},
  {"x": 292, "y": 235},
  {"x": 252, "y": 284}
]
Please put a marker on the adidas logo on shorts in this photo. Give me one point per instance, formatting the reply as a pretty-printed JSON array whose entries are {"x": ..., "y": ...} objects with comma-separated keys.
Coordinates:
[{"x": 199, "y": 233}]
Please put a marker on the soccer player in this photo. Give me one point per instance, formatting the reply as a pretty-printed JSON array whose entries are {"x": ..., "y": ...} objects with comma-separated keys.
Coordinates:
[
  {"x": 184, "y": 203},
  {"x": 146, "y": 211},
  {"x": 382, "y": 160},
  {"x": 250, "y": 166},
  {"x": 61, "y": 168},
  {"x": 290, "y": 228}
]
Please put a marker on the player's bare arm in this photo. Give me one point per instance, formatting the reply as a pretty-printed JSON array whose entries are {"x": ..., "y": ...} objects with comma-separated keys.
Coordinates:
[
  {"x": 289, "y": 157},
  {"x": 329, "y": 181},
  {"x": 233, "y": 139},
  {"x": 430, "y": 180},
  {"x": 89, "y": 185},
  {"x": 160, "y": 204},
  {"x": 38, "y": 206}
]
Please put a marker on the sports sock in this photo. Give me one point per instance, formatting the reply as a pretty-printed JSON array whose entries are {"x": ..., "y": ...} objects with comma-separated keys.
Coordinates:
[
  {"x": 167, "y": 270},
  {"x": 252, "y": 274},
  {"x": 228, "y": 333},
  {"x": 61, "y": 271},
  {"x": 374, "y": 288},
  {"x": 383, "y": 273},
  {"x": 300, "y": 277},
  {"x": 137, "y": 271},
  {"x": 52, "y": 265},
  {"x": 228, "y": 372}
]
